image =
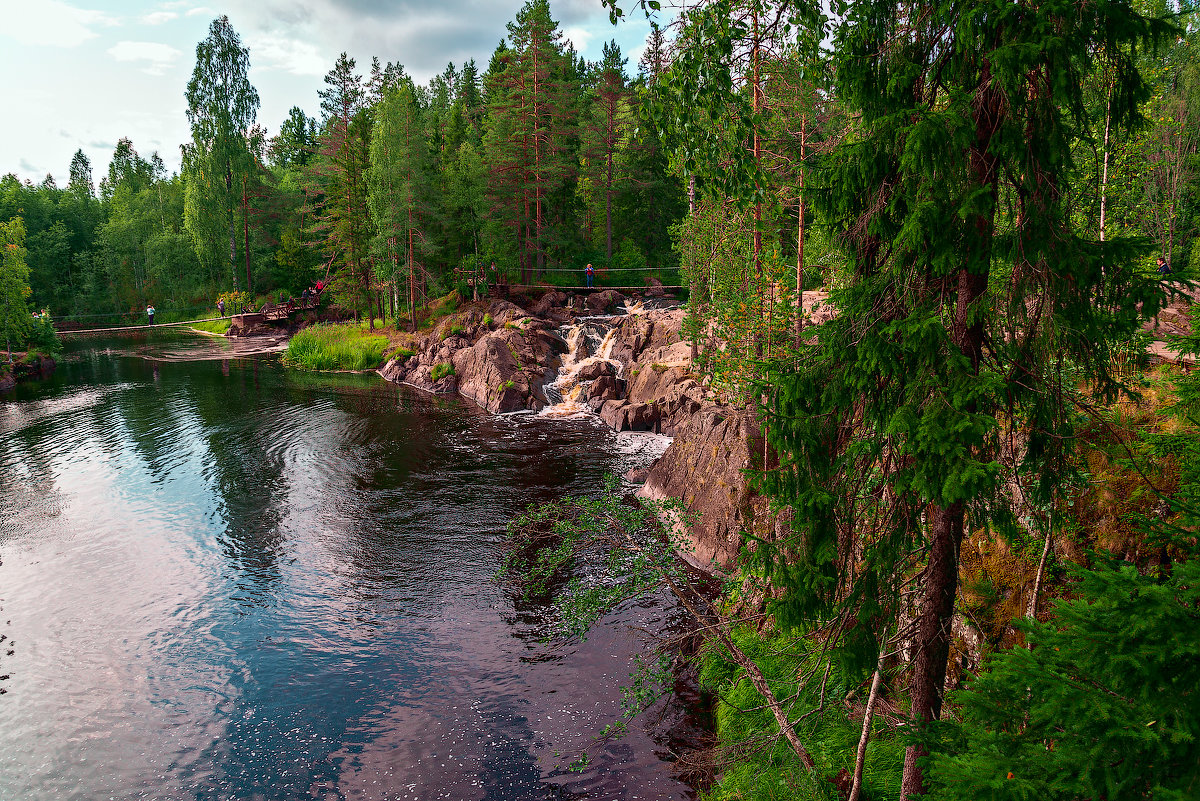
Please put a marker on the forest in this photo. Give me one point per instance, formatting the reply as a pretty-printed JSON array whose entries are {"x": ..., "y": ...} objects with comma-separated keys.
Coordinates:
[
  {"x": 995, "y": 198},
  {"x": 531, "y": 164}
]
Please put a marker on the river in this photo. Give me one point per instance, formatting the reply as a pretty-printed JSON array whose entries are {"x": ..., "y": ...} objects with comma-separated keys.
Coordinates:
[{"x": 221, "y": 579}]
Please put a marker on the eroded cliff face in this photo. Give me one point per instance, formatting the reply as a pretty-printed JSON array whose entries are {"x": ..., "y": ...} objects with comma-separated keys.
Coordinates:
[{"x": 633, "y": 370}]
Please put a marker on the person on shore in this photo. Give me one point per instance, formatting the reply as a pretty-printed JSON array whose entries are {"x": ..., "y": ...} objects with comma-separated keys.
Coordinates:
[
  {"x": 150, "y": 312},
  {"x": 590, "y": 272}
]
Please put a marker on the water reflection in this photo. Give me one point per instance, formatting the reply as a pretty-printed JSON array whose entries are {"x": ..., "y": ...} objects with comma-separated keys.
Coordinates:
[{"x": 230, "y": 581}]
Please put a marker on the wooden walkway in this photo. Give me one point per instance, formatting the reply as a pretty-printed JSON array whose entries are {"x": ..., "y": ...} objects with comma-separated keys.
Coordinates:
[
  {"x": 141, "y": 327},
  {"x": 270, "y": 312}
]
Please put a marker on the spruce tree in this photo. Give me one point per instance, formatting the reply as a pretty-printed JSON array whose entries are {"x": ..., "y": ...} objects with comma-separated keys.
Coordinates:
[{"x": 974, "y": 311}]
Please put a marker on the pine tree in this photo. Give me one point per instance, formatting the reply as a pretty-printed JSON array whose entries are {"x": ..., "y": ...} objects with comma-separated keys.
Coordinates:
[
  {"x": 399, "y": 183},
  {"x": 14, "y": 285},
  {"x": 342, "y": 217},
  {"x": 530, "y": 114}
]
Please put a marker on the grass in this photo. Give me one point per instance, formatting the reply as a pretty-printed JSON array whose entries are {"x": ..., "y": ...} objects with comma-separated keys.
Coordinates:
[
  {"x": 212, "y": 327},
  {"x": 440, "y": 371},
  {"x": 335, "y": 347},
  {"x": 762, "y": 766}
]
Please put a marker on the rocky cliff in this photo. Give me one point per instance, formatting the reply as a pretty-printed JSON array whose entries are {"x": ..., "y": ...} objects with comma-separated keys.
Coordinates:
[{"x": 624, "y": 361}]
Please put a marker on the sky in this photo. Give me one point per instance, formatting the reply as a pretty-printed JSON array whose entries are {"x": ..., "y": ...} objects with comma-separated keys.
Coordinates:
[{"x": 84, "y": 73}]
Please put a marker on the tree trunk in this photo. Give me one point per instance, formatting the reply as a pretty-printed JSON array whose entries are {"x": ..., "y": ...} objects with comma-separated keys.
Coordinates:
[
  {"x": 860, "y": 758},
  {"x": 800, "y": 237},
  {"x": 932, "y": 641},
  {"x": 246, "y": 229},
  {"x": 232, "y": 226}
]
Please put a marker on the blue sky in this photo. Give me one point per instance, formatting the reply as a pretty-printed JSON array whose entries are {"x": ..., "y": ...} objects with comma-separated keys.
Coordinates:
[{"x": 84, "y": 73}]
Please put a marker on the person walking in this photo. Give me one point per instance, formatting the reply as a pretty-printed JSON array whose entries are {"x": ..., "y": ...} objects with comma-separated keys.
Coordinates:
[
  {"x": 590, "y": 272},
  {"x": 150, "y": 312}
]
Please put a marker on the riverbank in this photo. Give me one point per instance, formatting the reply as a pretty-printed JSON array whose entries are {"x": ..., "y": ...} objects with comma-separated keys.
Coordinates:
[{"x": 25, "y": 367}]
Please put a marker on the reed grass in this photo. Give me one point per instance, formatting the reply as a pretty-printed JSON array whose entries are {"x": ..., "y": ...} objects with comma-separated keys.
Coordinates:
[{"x": 335, "y": 347}]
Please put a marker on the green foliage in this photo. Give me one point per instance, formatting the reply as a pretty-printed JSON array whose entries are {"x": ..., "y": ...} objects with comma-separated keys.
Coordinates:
[
  {"x": 222, "y": 105},
  {"x": 487, "y": 321},
  {"x": 335, "y": 347},
  {"x": 42, "y": 335},
  {"x": 1102, "y": 704},
  {"x": 212, "y": 326},
  {"x": 15, "y": 321},
  {"x": 763, "y": 767},
  {"x": 440, "y": 371}
]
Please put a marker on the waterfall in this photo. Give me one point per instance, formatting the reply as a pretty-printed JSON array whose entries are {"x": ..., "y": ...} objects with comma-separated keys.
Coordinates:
[{"x": 588, "y": 342}]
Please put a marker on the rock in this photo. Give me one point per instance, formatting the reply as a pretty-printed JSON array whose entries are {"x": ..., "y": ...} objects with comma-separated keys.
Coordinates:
[
  {"x": 594, "y": 370},
  {"x": 638, "y": 475},
  {"x": 654, "y": 288},
  {"x": 550, "y": 301},
  {"x": 703, "y": 467},
  {"x": 613, "y": 414},
  {"x": 622, "y": 415},
  {"x": 605, "y": 300},
  {"x": 7, "y": 382},
  {"x": 446, "y": 385}
]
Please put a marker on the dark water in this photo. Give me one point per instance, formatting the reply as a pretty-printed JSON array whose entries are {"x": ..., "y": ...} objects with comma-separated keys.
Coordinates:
[{"x": 221, "y": 579}]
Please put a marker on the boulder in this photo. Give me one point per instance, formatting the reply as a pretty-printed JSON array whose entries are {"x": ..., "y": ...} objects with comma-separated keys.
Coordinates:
[
  {"x": 550, "y": 301},
  {"x": 621, "y": 415},
  {"x": 654, "y": 288},
  {"x": 638, "y": 475},
  {"x": 7, "y": 382},
  {"x": 605, "y": 388},
  {"x": 604, "y": 301},
  {"x": 594, "y": 370}
]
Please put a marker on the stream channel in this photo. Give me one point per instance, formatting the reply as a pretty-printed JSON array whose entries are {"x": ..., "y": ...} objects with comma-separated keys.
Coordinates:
[{"x": 222, "y": 579}]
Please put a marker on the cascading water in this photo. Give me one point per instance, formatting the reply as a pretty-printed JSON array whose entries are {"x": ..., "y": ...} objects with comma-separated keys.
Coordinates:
[{"x": 589, "y": 341}]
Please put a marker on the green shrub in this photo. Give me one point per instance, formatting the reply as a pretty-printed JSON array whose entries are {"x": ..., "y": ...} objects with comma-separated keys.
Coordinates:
[
  {"x": 440, "y": 371},
  {"x": 43, "y": 337},
  {"x": 487, "y": 320},
  {"x": 335, "y": 347}
]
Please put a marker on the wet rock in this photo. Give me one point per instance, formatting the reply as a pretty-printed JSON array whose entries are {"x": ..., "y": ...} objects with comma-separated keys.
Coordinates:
[
  {"x": 549, "y": 302},
  {"x": 605, "y": 301},
  {"x": 621, "y": 415},
  {"x": 605, "y": 388},
  {"x": 594, "y": 370},
  {"x": 7, "y": 382},
  {"x": 638, "y": 475}
]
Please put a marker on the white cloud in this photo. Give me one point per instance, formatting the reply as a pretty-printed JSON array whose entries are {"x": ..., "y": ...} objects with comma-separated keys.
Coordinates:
[
  {"x": 195, "y": 12},
  {"x": 50, "y": 22},
  {"x": 290, "y": 55},
  {"x": 579, "y": 36},
  {"x": 158, "y": 17},
  {"x": 158, "y": 56}
]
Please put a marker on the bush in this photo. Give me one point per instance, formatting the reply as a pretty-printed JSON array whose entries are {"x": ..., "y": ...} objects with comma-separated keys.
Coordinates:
[
  {"x": 43, "y": 337},
  {"x": 335, "y": 347},
  {"x": 440, "y": 371},
  {"x": 236, "y": 302},
  {"x": 487, "y": 321}
]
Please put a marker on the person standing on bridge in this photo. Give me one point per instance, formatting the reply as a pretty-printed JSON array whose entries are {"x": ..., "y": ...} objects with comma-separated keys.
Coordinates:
[
  {"x": 150, "y": 312},
  {"x": 590, "y": 272},
  {"x": 221, "y": 306}
]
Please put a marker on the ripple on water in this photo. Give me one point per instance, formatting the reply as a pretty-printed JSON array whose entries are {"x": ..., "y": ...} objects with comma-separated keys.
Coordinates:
[{"x": 229, "y": 581}]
